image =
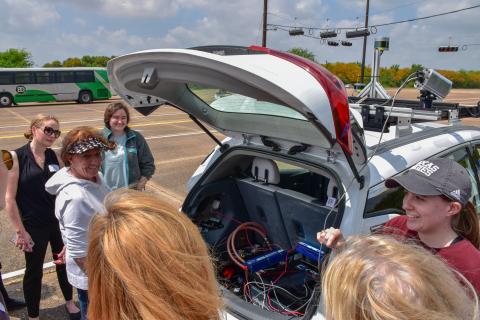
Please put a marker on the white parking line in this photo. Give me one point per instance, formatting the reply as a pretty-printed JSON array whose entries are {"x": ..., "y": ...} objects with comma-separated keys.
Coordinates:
[
  {"x": 92, "y": 120},
  {"x": 20, "y": 272}
]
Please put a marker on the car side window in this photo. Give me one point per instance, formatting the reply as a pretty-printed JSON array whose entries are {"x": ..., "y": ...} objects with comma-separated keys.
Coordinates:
[
  {"x": 461, "y": 156},
  {"x": 382, "y": 201}
]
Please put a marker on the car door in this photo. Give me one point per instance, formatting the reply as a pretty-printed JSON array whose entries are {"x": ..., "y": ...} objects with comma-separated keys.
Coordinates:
[{"x": 383, "y": 204}]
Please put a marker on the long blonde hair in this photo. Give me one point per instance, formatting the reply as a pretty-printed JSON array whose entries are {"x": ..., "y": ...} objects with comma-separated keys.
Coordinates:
[
  {"x": 377, "y": 277},
  {"x": 146, "y": 260},
  {"x": 38, "y": 122}
]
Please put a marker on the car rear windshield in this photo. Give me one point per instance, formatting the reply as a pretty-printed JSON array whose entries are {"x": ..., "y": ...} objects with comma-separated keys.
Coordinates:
[{"x": 226, "y": 101}]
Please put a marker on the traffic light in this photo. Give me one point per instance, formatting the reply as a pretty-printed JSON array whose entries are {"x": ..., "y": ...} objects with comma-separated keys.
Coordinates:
[
  {"x": 328, "y": 34},
  {"x": 296, "y": 32},
  {"x": 357, "y": 33},
  {"x": 346, "y": 43},
  {"x": 448, "y": 49},
  {"x": 332, "y": 43}
]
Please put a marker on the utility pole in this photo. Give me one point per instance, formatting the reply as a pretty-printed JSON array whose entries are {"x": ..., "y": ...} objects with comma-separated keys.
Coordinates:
[
  {"x": 264, "y": 37},
  {"x": 362, "y": 71}
]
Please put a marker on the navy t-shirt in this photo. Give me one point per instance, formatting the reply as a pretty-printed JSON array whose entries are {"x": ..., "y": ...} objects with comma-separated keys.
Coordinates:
[{"x": 37, "y": 206}]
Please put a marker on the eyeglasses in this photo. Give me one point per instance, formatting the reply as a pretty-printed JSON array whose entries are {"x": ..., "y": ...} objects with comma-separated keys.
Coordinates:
[
  {"x": 49, "y": 131},
  {"x": 7, "y": 159}
]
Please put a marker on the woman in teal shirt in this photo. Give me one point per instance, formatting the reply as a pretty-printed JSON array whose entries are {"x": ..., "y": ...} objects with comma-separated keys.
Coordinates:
[{"x": 131, "y": 164}]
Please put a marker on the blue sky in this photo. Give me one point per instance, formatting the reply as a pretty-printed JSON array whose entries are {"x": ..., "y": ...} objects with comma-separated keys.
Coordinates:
[{"x": 58, "y": 29}]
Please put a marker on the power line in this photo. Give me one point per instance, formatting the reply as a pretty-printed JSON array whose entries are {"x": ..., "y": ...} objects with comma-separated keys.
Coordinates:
[
  {"x": 381, "y": 24},
  {"x": 426, "y": 17}
]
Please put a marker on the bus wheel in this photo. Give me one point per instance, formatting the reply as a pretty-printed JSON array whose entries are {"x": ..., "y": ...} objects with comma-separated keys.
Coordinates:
[
  {"x": 5, "y": 100},
  {"x": 85, "y": 97}
]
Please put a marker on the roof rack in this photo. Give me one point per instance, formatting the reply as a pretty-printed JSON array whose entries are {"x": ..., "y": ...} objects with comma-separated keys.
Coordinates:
[{"x": 375, "y": 111}]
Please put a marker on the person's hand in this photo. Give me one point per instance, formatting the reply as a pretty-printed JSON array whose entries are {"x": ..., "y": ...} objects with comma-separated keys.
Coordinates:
[
  {"x": 60, "y": 257},
  {"x": 141, "y": 184},
  {"x": 24, "y": 241},
  {"x": 331, "y": 237}
]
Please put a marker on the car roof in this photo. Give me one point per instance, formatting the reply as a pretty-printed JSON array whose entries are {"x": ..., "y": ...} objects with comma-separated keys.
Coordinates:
[{"x": 427, "y": 140}]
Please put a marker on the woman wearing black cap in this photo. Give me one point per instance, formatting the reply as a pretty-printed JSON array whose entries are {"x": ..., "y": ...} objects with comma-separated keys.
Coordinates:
[{"x": 438, "y": 213}]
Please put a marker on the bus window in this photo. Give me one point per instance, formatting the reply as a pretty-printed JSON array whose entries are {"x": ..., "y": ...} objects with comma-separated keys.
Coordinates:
[
  {"x": 23, "y": 78},
  {"x": 84, "y": 76},
  {"x": 6, "y": 78},
  {"x": 44, "y": 77},
  {"x": 65, "y": 77}
]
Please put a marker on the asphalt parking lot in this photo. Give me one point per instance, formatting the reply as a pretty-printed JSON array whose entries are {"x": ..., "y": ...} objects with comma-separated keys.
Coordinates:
[{"x": 177, "y": 143}]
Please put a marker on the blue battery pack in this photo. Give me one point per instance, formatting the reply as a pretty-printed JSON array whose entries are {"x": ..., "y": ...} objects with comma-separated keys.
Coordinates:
[
  {"x": 309, "y": 251},
  {"x": 266, "y": 260}
]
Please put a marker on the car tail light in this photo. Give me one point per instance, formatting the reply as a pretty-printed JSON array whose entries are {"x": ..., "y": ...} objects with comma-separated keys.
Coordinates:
[{"x": 334, "y": 89}]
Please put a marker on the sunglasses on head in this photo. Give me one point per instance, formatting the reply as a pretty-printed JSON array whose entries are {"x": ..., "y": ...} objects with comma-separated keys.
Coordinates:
[
  {"x": 7, "y": 159},
  {"x": 49, "y": 131}
]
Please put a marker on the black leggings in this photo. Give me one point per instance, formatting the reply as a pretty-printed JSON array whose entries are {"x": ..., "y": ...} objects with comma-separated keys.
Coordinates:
[{"x": 32, "y": 280}]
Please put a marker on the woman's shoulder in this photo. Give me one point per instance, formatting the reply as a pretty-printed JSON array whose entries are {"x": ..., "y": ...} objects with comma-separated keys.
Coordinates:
[
  {"x": 133, "y": 134},
  {"x": 465, "y": 246},
  {"x": 397, "y": 222}
]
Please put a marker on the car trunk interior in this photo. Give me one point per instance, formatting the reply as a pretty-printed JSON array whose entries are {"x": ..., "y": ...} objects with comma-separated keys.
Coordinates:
[{"x": 260, "y": 216}]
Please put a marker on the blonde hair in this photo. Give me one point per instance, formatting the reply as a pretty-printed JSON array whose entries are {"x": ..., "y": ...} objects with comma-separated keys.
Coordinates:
[
  {"x": 38, "y": 122},
  {"x": 146, "y": 260},
  {"x": 378, "y": 277}
]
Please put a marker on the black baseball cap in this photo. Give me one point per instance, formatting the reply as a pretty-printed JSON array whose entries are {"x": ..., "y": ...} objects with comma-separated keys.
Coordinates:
[{"x": 437, "y": 176}]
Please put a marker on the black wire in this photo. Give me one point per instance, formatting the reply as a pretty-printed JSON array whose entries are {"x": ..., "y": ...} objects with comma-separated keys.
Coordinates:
[{"x": 381, "y": 24}]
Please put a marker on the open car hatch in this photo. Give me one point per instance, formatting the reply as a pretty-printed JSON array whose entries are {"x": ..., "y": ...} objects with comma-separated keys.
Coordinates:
[{"x": 254, "y": 91}]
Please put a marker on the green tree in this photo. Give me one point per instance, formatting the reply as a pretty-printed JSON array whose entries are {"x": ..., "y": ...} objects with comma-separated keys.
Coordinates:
[
  {"x": 303, "y": 53},
  {"x": 16, "y": 58},
  {"x": 85, "y": 61},
  {"x": 53, "y": 64},
  {"x": 73, "y": 62}
]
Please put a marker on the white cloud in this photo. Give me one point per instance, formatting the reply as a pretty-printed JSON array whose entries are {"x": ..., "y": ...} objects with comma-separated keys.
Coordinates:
[
  {"x": 80, "y": 22},
  {"x": 26, "y": 15},
  {"x": 111, "y": 28}
]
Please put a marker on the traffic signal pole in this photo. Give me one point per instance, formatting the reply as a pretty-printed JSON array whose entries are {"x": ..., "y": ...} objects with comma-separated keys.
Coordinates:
[{"x": 362, "y": 71}]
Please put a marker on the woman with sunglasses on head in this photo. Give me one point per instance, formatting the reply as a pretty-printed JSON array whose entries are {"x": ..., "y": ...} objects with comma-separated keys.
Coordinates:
[
  {"x": 80, "y": 190},
  {"x": 32, "y": 210},
  {"x": 438, "y": 215}
]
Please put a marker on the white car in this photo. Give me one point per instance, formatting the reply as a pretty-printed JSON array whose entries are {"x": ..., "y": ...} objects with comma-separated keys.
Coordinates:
[{"x": 296, "y": 160}]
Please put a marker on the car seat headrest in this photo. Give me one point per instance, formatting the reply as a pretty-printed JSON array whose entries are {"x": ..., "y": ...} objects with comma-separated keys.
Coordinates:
[{"x": 265, "y": 170}]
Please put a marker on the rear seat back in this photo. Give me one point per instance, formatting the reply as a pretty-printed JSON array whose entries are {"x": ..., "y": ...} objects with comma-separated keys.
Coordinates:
[
  {"x": 258, "y": 195},
  {"x": 303, "y": 215}
]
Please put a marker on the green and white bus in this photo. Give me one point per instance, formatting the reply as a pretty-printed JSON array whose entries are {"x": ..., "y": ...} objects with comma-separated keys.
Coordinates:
[{"x": 53, "y": 84}]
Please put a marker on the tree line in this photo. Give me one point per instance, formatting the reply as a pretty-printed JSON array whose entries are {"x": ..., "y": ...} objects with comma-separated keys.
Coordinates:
[
  {"x": 390, "y": 77},
  {"x": 21, "y": 58},
  {"x": 393, "y": 76}
]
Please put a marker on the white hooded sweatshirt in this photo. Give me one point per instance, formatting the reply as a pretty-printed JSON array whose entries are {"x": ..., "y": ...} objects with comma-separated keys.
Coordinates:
[{"x": 78, "y": 200}]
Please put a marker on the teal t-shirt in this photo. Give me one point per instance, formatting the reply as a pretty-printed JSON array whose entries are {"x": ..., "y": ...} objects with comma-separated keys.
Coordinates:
[{"x": 115, "y": 164}]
